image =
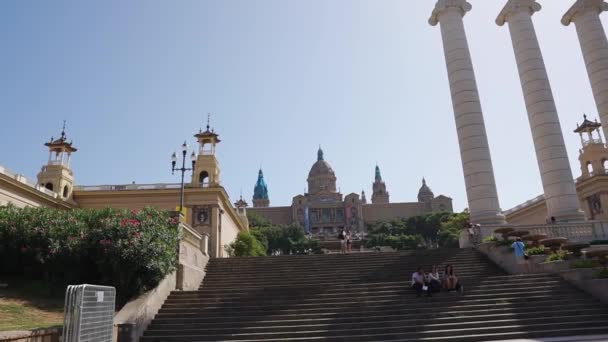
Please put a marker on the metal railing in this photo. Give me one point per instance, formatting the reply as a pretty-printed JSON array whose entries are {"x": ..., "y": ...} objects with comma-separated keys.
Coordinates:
[{"x": 89, "y": 313}]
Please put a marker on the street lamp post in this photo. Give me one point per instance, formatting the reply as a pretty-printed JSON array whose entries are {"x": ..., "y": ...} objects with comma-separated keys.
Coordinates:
[{"x": 183, "y": 170}]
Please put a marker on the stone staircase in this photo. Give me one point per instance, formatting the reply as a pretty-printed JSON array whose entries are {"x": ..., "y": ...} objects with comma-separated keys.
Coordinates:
[{"x": 366, "y": 297}]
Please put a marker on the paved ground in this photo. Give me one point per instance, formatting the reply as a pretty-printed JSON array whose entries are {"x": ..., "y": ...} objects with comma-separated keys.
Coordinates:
[{"x": 590, "y": 338}]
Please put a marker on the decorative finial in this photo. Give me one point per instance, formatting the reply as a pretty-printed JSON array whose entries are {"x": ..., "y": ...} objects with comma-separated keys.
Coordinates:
[
  {"x": 208, "y": 120},
  {"x": 585, "y": 116},
  {"x": 63, "y": 131},
  {"x": 320, "y": 154}
]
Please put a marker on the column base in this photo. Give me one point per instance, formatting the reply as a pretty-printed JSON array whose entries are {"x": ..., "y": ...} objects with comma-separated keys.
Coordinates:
[
  {"x": 488, "y": 219},
  {"x": 577, "y": 216}
]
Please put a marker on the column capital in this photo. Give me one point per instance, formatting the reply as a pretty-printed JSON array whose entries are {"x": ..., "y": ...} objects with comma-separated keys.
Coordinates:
[
  {"x": 443, "y": 5},
  {"x": 517, "y": 6},
  {"x": 583, "y": 7}
]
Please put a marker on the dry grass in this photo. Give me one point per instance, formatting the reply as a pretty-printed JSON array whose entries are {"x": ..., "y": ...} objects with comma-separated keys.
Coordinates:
[{"x": 22, "y": 308}]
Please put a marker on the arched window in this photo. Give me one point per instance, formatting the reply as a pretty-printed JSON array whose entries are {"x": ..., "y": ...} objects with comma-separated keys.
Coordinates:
[
  {"x": 604, "y": 165},
  {"x": 590, "y": 168},
  {"x": 203, "y": 179},
  {"x": 66, "y": 191},
  {"x": 49, "y": 186}
]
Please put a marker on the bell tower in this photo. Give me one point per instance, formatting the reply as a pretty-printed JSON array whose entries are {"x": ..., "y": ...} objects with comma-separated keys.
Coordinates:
[
  {"x": 56, "y": 175},
  {"x": 207, "y": 168},
  {"x": 593, "y": 154},
  {"x": 380, "y": 195}
]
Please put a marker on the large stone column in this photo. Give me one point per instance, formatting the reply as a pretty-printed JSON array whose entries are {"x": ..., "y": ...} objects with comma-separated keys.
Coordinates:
[
  {"x": 555, "y": 172},
  {"x": 474, "y": 149},
  {"x": 586, "y": 17}
]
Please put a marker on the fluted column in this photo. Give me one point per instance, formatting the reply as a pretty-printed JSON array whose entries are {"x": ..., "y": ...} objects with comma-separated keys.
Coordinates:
[
  {"x": 585, "y": 14},
  {"x": 558, "y": 184},
  {"x": 474, "y": 150}
]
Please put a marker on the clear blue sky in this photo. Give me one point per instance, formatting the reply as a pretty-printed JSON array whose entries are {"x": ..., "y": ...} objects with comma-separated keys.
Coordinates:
[{"x": 364, "y": 79}]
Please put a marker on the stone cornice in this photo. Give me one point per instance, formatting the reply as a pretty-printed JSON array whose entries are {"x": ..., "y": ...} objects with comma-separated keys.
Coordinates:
[
  {"x": 443, "y": 5},
  {"x": 517, "y": 6},
  {"x": 582, "y": 7}
]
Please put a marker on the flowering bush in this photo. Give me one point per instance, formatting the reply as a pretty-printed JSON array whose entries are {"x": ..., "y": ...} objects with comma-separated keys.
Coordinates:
[{"x": 130, "y": 250}]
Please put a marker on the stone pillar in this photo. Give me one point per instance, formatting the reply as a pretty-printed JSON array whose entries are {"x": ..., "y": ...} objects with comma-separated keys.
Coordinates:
[
  {"x": 555, "y": 172},
  {"x": 474, "y": 150},
  {"x": 585, "y": 14}
]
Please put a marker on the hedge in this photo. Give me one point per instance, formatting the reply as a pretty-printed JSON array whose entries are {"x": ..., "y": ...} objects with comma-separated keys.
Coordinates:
[{"x": 130, "y": 250}]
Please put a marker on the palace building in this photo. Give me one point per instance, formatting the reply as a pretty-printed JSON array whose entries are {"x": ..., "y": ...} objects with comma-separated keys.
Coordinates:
[{"x": 323, "y": 210}]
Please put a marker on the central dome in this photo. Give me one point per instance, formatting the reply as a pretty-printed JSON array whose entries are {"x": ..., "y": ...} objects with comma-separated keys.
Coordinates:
[{"x": 321, "y": 176}]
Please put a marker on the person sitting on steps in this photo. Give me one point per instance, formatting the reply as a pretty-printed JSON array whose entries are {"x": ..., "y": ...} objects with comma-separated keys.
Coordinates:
[
  {"x": 419, "y": 283},
  {"x": 433, "y": 280},
  {"x": 450, "y": 280}
]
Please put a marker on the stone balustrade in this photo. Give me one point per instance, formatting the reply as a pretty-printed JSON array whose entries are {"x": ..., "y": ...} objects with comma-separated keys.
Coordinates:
[
  {"x": 22, "y": 179},
  {"x": 585, "y": 231}
]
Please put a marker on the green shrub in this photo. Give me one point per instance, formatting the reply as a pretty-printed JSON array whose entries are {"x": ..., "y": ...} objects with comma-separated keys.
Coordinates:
[
  {"x": 557, "y": 256},
  {"x": 535, "y": 251},
  {"x": 491, "y": 238},
  {"x": 246, "y": 245},
  {"x": 130, "y": 250},
  {"x": 603, "y": 274},
  {"x": 584, "y": 264}
]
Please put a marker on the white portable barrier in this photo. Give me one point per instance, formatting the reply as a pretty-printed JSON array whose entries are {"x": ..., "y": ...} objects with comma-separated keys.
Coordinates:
[{"x": 88, "y": 313}]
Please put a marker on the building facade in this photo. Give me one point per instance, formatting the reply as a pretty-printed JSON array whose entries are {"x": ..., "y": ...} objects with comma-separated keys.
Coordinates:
[
  {"x": 591, "y": 186},
  {"x": 324, "y": 211},
  {"x": 206, "y": 204}
]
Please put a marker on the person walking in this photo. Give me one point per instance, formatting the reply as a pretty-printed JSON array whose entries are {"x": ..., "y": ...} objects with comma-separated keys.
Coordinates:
[
  {"x": 342, "y": 239},
  {"x": 521, "y": 258},
  {"x": 349, "y": 242}
]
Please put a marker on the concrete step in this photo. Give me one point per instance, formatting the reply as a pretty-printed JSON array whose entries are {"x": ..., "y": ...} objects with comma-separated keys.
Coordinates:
[
  {"x": 370, "y": 317},
  {"x": 401, "y": 332},
  {"x": 261, "y": 308},
  {"x": 366, "y": 297}
]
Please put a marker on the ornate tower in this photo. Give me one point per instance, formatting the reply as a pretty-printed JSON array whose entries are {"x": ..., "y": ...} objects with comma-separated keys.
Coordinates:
[
  {"x": 425, "y": 194},
  {"x": 57, "y": 175},
  {"x": 241, "y": 210},
  {"x": 363, "y": 198},
  {"x": 593, "y": 154},
  {"x": 207, "y": 168},
  {"x": 380, "y": 195},
  {"x": 260, "y": 192}
]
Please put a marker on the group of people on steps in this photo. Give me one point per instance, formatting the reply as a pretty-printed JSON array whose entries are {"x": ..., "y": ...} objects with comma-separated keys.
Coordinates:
[{"x": 433, "y": 281}]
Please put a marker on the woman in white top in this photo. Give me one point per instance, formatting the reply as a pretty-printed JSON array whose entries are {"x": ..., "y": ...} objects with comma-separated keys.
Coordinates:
[{"x": 433, "y": 280}]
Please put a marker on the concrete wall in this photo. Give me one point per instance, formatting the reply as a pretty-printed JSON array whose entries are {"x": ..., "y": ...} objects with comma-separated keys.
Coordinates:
[
  {"x": 38, "y": 335},
  {"x": 230, "y": 229},
  {"x": 276, "y": 215},
  {"x": 384, "y": 212}
]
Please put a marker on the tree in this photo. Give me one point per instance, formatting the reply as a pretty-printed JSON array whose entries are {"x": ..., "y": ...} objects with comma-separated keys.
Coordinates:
[
  {"x": 246, "y": 245},
  {"x": 257, "y": 221},
  {"x": 449, "y": 232},
  {"x": 442, "y": 228}
]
